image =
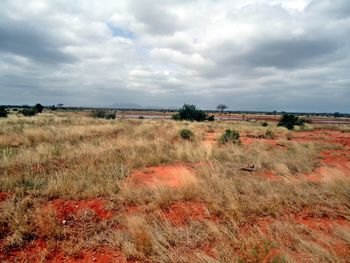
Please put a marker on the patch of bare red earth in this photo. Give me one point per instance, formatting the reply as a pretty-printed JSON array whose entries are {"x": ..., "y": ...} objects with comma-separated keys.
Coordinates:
[
  {"x": 174, "y": 176},
  {"x": 211, "y": 138},
  {"x": 68, "y": 209},
  {"x": 4, "y": 196},
  {"x": 36, "y": 251}
]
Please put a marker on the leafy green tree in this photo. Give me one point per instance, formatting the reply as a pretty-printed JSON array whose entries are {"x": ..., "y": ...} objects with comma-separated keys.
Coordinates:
[
  {"x": 191, "y": 113},
  {"x": 289, "y": 121}
]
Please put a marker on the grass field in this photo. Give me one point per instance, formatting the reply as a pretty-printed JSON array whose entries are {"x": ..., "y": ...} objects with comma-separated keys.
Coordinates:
[{"x": 78, "y": 189}]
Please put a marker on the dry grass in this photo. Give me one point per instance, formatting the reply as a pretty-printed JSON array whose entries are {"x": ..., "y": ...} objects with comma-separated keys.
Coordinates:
[{"x": 73, "y": 157}]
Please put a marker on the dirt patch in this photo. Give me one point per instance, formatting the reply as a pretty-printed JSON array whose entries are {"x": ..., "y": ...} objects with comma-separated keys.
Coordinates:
[
  {"x": 4, "y": 196},
  {"x": 37, "y": 251},
  {"x": 67, "y": 209},
  {"x": 102, "y": 255},
  {"x": 332, "y": 137},
  {"x": 181, "y": 213},
  {"x": 165, "y": 175},
  {"x": 249, "y": 141},
  {"x": 211, "y": 138}
]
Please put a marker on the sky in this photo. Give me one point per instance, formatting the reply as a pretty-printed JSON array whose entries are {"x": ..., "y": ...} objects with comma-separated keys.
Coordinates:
[{"x": 291, "y": 55}]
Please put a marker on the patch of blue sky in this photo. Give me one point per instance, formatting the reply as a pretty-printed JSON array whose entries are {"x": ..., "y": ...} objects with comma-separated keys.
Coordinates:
[{"x": 120, "y": 32}]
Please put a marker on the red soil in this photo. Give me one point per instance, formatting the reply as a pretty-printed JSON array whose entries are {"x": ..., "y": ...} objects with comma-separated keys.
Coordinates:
[
  {"x": 211, "y": 138},
  {"x": 3, "y": 196},
  {"x": 249, "y": 141},
  {"x": 37, "y": 251},
  {"x": 67, "y": 210},
  {"x": 333, "y": 137},
  {"x": 180, "y": 213},
  {"x": 164, "y": 175},
  {"x": 101, "y": 256}
]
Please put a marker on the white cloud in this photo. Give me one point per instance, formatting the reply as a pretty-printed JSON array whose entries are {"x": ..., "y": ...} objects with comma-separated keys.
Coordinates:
[{"x": 242, "y": 53}]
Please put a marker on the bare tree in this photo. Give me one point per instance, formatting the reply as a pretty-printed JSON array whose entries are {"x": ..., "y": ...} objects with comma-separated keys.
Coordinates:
[{"x": 221, "y": 107}]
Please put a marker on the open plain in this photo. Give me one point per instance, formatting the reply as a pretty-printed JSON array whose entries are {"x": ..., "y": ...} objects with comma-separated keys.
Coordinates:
[{"x": 78, "y": 189}]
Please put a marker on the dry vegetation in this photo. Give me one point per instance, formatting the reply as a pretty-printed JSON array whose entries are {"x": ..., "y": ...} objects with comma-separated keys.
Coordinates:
[{"x": 75, "y": 189}]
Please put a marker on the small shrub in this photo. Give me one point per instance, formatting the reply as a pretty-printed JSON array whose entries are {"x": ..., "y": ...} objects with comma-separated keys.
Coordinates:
[
  {"x": 110, "y": 115},
  {"x": 186, "y": 134},
  {"x": 141, "y": 117},
  {"x": 211, "y": 118},
  {"x": 264, "y": 124},
  {"x": 289, "y": 121},
  {"x": 176, "y": 117},
  {"x": 103, "y": 114},
  {"x": 3, "y": 112},
  {"x": 230, "y": 136},
  {"x": 29, "y": 112}
]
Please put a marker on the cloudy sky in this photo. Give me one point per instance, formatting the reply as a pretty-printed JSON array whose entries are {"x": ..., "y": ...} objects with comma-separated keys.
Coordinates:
[{"x": 291, "y": 55}]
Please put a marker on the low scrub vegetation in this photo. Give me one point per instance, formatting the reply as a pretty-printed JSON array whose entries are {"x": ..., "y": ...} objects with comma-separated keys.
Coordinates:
[
  {"x": 230, "y": 136},
  {"x": 71, "y": 185},
  {"x": 186, "y": 134},
  {"x": 289, "y": 121},
  {"x": 103, "y": 114}
]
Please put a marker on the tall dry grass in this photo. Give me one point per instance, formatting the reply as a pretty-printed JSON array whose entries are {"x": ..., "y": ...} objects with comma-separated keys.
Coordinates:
[{"x": 69, "y": 156}]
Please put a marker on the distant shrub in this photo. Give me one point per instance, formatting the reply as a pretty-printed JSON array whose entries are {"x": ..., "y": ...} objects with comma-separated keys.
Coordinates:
[
  {"x": 211, "y": 118},
  {"x": 230, "y": 136},
  {"x": 141, "y": 117},
  {"x": 190, "y": 113},
  {"x": 28, "y": 112},
  {"x": 289, "y": 121},
  {"x": 39, "y": 108},
  {"x": 186, "y": 134},
  {"x": 264, "y": 124},
  {"x": 103, "y": 114},
  {"x": 3, "y": 112},
  {"x": 176, "y": 117}
]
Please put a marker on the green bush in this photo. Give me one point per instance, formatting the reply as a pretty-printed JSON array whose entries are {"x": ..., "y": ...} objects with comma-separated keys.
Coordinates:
[
  {"x": 3, "y": 112},
  {"x": 176, "y": 117},
  {"x": 103, "y": 114},
  {"x": 211, "y": 118},
  {"x": 190, "y": 113},
  {"x": 28, "y": 112},
  {"x": 289, "y": 121},
  {"x": 186, "y": 134},
  {"x": 231, "y": 136},
  {"x": 264, "y": 124}
]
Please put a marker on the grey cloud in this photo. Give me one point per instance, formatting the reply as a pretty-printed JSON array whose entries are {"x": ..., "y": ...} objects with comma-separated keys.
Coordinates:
[
  {"x": 333, "y": 8},
  {"x": 32, "y": 42},
  {"x": 287, "y": 53},
  {"x": 156, "y": 18},
  {"x": 260, "y": 56}
]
